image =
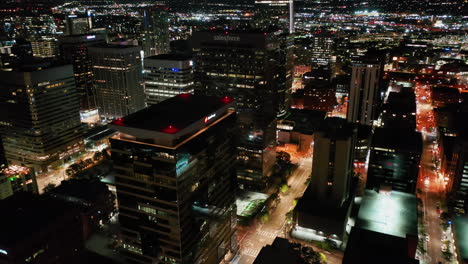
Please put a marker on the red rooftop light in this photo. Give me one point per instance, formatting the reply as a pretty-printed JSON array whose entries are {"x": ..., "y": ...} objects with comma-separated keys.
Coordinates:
[
  {"x": 170, "y": 130},
  {"x": 118, "y": 122},
  {"x": 185, "y": 95},
  {"x": 227, "y": 99}
]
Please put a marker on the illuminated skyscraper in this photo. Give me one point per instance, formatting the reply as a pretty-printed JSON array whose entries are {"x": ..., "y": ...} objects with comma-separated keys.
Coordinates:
[
  {"x": 5, "y": 186},
  {"x": 322, "y": 45},
  {"x": 275, "y": 12},
  {"x": 175, "y": 178},
  {"x": 155, "y": 31},
  {"x": 253, "y": 68},
  {"x": 77, "y": 25},
  {"x": 167, "y": 75},
  {"x": 39, "y": 114},
  {"x": 333, "y": 161},
  {"x": 45, "y": 47},
  {"x": 74, "y": 50},
  {"x": 364, "y": 93},
  {"x": 118, "y": 79}
]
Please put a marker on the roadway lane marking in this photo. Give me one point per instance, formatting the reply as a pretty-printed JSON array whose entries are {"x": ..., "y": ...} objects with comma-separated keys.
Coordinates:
[
  {"x": 267, "y": 234},
  {"x": 251, "y": 252}
]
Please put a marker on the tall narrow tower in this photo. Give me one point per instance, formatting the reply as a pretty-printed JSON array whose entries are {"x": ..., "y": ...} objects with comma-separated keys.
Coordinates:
[{"x": 364, "y": 93}]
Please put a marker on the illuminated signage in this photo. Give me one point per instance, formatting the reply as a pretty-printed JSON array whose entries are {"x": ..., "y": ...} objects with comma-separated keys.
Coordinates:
[
  {"x": 208, "y": 118},
  {"x": 3, "y": 251},
  {"x": 91, "y": 37},
  {"x": 226, "y": 38}
]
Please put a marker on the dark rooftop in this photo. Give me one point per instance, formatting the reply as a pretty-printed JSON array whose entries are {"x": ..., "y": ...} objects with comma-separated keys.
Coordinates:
[
  {"x": 338, "y": 128},
  {"x": 366, "y": 247},
  {"x": 305, "y": 121},
  {"x": 113, "y": 46},
  {"x": 25, "y": 213},
  {"x": 278, "y": 252},
  {"x": 170, "y": 57},
  {"x": 174, "y": 114},
  {"x": 402, "y": 102},
  {"x": 82, "y": 189},
  {"x": 398, "y": 139}
]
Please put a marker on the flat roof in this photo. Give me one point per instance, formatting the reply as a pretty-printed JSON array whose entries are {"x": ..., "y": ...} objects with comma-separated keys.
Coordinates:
[
  {"x": 25, "y": 214},
  {"x": 338, "y": 128},
  {"x": 280, "y": 251},
  {"x": 397, "y": 138},
  {"x": 174, "y": 114},
  {"x": 170, "y": 57},
  {"x": 461, "y": 233},
  {"x": 305, "y": 121},
  {"x": 393, "y": 214},
  {"x": 83, "y": 189},
  {"x": 368, "y": 247}
]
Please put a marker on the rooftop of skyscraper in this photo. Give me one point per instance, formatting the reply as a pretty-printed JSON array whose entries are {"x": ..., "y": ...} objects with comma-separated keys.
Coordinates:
[
  {"x": 337, "y": 128},
  {"x": 170, "y": 57},
  {"x": 175, "y": 114},
  {"x": 397, "y": 138}
]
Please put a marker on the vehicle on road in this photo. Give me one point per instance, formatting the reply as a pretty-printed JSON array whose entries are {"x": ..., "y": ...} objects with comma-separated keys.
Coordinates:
[{"x": 444, "y": 248}]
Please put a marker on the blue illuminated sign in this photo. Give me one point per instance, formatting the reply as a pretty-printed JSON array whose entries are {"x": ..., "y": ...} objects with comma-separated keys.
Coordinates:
[{"x": 175, "y": 69}]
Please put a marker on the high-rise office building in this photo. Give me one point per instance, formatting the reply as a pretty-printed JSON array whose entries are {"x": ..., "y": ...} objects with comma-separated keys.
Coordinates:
[
  {"x": 322, "y": 47},
  {"x": 118, "y": 79},
  {"x": 45, "y": 47},
  {"x": 319, "y": 94},
  {"x": 458, "y": 174},
  {"x": 166, "y": 76},
  {"x": 275, "y": 12},
  {"x": 364, "y": 93},
  {"x": 175, "y": 180},
  {"x": 40, "y": 116},
  {"x": 400, "y": 110},
  {"x": 333, "y": 161},
  {"x": 394, "y": 159},
  {"x": 5, "y": 186},
  {"x": 253, "y": 68},
  {"x": 74, "y": 50},
  {"x": 155, "y": 31},
  {"x": 77, "y": 25},
  {"x": 324, "y": 209}
]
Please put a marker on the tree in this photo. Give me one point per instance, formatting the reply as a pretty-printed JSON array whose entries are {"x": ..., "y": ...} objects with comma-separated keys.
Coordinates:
[
  {"x": 49, "y": 187},
  {"x": 97, "y": 156},
  {"x": 105, "y": 155},
  {"x": 445, "y": 216},
  {"x": 75, "y": 167},
  {"x": 331, "y": 242},
  {"x": 88, "y": 162}
]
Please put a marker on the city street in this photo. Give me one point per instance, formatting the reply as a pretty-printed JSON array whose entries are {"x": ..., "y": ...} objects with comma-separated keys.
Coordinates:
[
  {"x": 253, "y": 238},
  {"x": 430, "y": 181},
  {"x": 58, "y": 175}
]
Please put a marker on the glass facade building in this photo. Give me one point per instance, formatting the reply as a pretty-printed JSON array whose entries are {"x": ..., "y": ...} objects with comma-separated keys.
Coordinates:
[
  {"x": 118, "y": 78},
  {"x": 175, "y": 180},
  {"x": 254, "y": 68},
  {"x": 39, "y": 116}
]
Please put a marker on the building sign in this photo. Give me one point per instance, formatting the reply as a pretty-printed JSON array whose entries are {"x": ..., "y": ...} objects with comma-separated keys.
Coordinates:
[
  {"x": 209, "y": 118},
  {"x": 226, "y": 38},
  {"x": 91, "y": 37}
]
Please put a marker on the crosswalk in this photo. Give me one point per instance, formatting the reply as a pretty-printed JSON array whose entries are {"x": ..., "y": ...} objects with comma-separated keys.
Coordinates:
[
  {"x": 267, "y": 233},
  {"x": 251, "y": 252}
]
